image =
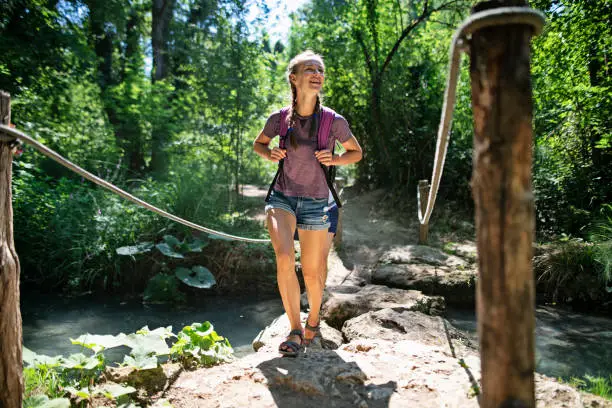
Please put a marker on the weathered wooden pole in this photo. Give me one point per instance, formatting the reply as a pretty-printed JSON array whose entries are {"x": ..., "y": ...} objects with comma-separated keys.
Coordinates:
[
  {"x": 11, "y": 365},
  {"x": 423, "y": 197},
  {"x": 501, "y": 184}
]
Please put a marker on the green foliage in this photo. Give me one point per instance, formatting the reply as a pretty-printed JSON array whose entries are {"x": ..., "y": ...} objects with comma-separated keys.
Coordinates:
[
  {"x": 199, "y": 344},
  {"x": 601, "y": 386},
  {"x": 386, "y": 74},
  {"x": 573, "y": 156},
  {"x": 42, "y": 401},
  {"x": 163, "y": 288},
  {"x": 602, "y": 236},
  {"x": 78, "y": 375},
  {"x": 570, "y": 272},
  {"x": 198, "y": 277}
]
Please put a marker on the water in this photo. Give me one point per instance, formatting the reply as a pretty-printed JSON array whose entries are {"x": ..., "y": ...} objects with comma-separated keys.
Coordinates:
[
  {"x": 50, "y": 321},
  {"x": 567, "y": 344}
]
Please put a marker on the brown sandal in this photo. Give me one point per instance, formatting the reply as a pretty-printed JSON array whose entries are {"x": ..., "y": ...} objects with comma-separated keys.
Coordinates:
[
  {"x": 290, "y": 348},
  {"x": 315, "y": 329}
]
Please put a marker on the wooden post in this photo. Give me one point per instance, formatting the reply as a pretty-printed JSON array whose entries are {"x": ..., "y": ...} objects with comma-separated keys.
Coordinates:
[
  {"x": 11, "y": 365},
  {"x": 423, "y": 197},
  {"x": 501, "y": 184}
]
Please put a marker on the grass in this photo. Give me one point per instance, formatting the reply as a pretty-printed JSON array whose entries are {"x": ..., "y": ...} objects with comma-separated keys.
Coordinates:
[{"x": 601, "y": 386}]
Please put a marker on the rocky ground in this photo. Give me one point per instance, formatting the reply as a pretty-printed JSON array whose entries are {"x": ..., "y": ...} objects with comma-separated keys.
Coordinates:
[{"x": 385, "y": 342}]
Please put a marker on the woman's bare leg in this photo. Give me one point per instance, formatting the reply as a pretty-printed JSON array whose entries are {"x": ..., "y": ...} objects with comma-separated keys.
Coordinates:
[
  {"x": 312, "y": 245},
  {"x": 326, "y": 249},
  {"x": 281, "y": 225}
]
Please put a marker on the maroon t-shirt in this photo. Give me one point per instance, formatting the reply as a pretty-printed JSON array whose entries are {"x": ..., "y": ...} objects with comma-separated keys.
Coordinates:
[{"x": 302, "y": 175}]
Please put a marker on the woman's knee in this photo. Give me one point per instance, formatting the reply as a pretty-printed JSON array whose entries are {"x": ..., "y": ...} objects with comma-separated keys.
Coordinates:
[{"x": 285, "y": 258}]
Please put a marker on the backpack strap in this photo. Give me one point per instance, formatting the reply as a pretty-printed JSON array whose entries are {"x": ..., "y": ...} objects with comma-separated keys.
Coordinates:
[
  {"x": 325, "y": 124},
  {"x": 283, "y": 132},
  {"x": 284, "y": 129}
]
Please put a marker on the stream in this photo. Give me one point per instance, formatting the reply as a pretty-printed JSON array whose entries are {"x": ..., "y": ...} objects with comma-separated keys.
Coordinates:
[
  {"x": 567, "y": 344},
  {"x": 50, "y": 321}
]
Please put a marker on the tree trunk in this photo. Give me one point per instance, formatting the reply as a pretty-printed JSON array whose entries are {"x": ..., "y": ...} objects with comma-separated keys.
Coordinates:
[
  {"x": 501, "y": 179},
  {"x": 11, "y": 364},
  {"x": 160, "y": 33},
  {"x": 127, "y": 133},
  {"x": 162, "y": 16},
  {"x": 377, "y": 136}
]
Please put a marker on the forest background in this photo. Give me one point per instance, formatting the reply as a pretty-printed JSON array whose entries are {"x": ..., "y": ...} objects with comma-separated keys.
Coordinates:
[{"x": 165, "y": 97}]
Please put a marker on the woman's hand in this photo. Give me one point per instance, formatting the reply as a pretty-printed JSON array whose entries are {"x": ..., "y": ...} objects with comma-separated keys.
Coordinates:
[
  {"x": 277, "y": 154},
  {"x": 325, "y": 157}
]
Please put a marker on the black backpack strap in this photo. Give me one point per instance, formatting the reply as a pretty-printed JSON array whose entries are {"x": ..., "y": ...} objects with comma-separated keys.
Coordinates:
[
  {"x": 280, "y": 168},
  {"x": 330, "y": 173},
  {"x": 330, "y": 176},
  {"x": 282, "y": 143}
]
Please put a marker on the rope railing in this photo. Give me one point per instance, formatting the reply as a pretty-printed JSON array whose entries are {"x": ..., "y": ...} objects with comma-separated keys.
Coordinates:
[
  {"x": 109, "y": 186},
  {"x": 477, "y": 21}
]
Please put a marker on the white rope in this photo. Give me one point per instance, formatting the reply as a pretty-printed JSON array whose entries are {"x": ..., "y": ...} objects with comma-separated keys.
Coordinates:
[
  {"x": 477, "y": 21},
  {"x": 103, "y": 183}
]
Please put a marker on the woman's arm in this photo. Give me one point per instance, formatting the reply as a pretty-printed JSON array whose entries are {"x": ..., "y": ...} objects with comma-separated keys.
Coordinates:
[
  {"x": 261, "y": 146},
  {"x": 352, "y": 155}
]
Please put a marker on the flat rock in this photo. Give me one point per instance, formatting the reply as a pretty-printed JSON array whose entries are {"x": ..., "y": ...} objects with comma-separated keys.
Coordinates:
[
  {"x": 151, "y": 380},
  {"x": 396, "y": 325},
  {"x": 466, "y": 250},
  {"x": 341, "y": 307},
  {"x": 458, "y": 286},
  {"x": 421, "y": 254},
  {"x": 275, "y": 333}
]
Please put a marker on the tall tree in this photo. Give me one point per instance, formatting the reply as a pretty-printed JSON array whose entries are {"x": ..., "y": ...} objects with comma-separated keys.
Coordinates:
[
  {"x": 162, "y": 11},
  {"x": 378, "y": 53},
  {"x": 115, "y": 35}
]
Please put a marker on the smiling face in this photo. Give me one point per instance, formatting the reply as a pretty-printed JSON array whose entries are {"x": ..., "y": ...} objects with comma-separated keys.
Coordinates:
[{"x": 309, "y": 76}]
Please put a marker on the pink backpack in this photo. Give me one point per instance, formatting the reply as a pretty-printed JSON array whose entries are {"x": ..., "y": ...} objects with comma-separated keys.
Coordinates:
[{"x": 325, "y": 124}]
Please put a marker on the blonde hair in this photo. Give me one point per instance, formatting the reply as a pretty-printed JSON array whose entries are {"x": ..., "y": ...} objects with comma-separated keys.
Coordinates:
[{"x": 292, "y": 68}]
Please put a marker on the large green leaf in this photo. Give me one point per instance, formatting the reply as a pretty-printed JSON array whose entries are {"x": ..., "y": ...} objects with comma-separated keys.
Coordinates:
[
  {"x": 80, "y": 361},
  {"x": 97, "y": 342},
  {"x": 172, "y": 241},
  {"x": 166, "y": 250},
  {"x": 198, "y": 277},
  {"x": 140, "y": 361},
  {"x": 84, "y": 393},
  {"x": 132, "y": 250},
  {"x": 196, "y": 245},
  {"x": 114, "y": 391},
  {"x": 33, "y": 359},
  {"x": 147, "y": 344},
  {"x": 163, "y": 332},
  {"x": 42, "y": 401}
]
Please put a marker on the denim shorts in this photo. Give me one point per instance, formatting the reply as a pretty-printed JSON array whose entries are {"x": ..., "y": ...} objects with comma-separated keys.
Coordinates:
[
  {"x": 310, "y": 213},
  {"x": 332, "y": 213}
]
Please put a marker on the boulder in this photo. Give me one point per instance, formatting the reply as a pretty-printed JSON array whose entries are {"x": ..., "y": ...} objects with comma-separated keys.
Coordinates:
[
  {"x": 396, "y": 325},
  {"x": 150, "y": 384},
  {"x": 328, "y": 289},
  {"x": 457, "y": 286},
  {"x": 341, "y": 307},
  {"x": 275, "y": 333},
  {"x": 422, "y": 254}
]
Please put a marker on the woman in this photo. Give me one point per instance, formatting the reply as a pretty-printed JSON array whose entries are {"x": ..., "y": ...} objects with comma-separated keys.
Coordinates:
[{"x": 300, "y": 194}]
